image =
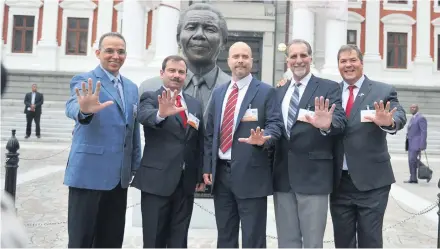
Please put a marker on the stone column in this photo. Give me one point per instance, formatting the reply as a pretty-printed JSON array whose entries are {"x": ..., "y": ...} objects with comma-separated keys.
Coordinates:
[
  {"x": 336, "y": 35},
  {"x": 2, "y": 13},
  {"x": 133, "y": 30},
  {"x": 303, "y": 27},
  {"x": 165, "y": 31},
  {"x": 372, "y": 59},
  {"x": 105, "y": 19},
  {"x": 48, "y": 46},
  {"x": 423, "y": 61}
]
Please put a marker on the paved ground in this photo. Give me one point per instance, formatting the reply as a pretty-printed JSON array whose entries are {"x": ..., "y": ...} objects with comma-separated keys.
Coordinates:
[{"x": 42, "y": 205}]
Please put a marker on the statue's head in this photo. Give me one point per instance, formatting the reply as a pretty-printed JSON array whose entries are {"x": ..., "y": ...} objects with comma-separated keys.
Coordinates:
[{"x": 201, "y": 33}]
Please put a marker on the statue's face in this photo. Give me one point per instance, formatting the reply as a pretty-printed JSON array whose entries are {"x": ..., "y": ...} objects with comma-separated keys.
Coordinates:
[{"x": 200, "y": 37}]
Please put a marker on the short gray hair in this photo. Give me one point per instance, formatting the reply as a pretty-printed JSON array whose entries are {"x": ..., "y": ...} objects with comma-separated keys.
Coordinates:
[
  {"x": 349, "y": 48},
  {"x": 110, "y": 34},
  {"x": 300, "y": 41},
  {"x": 204, "y": 6}
]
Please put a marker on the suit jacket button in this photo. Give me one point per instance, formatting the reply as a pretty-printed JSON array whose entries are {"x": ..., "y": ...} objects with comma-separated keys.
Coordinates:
[
  {"x": 125, "y": 145},
  {"x": 126, "y": 126}
]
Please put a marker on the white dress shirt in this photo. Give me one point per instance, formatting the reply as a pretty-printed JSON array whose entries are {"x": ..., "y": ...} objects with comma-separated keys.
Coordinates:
[
  {"x": 243, "y": 86},
  {"x": 182, "y": 101},
  {"x": 286, "y": 100},
  {"x": 33, "y": 98}
]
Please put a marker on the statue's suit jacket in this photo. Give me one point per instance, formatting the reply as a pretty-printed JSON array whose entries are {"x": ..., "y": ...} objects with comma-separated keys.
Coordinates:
[
  {"x": 364, "y": 143},
  {"x": 106, "y": 146},
  {"x": 156, "y": 82}
]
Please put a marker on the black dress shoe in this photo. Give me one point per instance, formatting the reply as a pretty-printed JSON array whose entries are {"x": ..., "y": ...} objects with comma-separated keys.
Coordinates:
[
  {"x": 38, "y": 136},
  {"x": 27, "y": 136},
  {"x": 410, "y": 182}
]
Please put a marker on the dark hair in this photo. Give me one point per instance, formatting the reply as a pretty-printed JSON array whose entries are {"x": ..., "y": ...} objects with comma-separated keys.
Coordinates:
[
  {"x": 349, "y": 48},
  {"x": 110, "y": 34},
  {"x": 204, "y": 6},
  {"x": 300, "y": 41},
  {"x": 4, "y": 79},
  {"x": 176, "y": 58}
]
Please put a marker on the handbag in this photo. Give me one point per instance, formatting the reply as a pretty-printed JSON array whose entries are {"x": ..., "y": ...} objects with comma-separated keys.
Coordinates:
[{"x": 424, "y": 172}]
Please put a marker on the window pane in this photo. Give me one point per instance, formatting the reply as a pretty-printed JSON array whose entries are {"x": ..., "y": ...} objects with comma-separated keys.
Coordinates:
[
  {"x": 30, "y": 21},
  {"x": 83, "y": 43},
  {"x": 71, "y": 23},
  {"x": 17, "y": 46},
  {"x": 71, "y": 42},
  {"x": 402, "y": 57},
  {"x": 351, "y": 37},
  {"x": 402, "y": 38},
  {"x": 390, "y": 56},
  {"x": 84, "y": 23},
  {"x": 29, "y": 38},
  {"x": 18, "y": 21}
]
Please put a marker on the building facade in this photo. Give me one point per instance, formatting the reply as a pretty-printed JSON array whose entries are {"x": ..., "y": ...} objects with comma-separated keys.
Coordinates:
[{"x": 400, "y": 39}]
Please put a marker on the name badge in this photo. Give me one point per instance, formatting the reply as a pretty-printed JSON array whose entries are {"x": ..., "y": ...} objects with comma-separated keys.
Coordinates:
[
  {"x": 135, "y": 110},
  {"x": 193, "y": 121},
  {"x": 250, "y": 115},
  {"x": 302, "y": 115},
  {"x": 365, "y": 113}
]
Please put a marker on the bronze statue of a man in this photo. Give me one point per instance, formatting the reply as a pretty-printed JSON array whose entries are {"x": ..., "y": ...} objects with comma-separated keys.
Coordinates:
[{"x": 201, "y": 34}]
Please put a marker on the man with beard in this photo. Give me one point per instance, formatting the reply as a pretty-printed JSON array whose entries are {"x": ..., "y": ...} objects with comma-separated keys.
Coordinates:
[
  {"x": 201, "y": 34},
  {"x": 173, "y": 123},
  {"x": 303, "y": 165}
]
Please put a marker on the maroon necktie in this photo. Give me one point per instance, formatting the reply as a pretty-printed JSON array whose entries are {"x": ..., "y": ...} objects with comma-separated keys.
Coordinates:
[
  {"x": 228, "y": 120},
  {"x": 350, "y": 101},
  {"x": 182, "y": 113}
]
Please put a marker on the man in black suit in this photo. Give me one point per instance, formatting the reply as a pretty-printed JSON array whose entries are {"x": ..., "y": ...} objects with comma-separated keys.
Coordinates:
[
  {"x": 303, "y": 165},
  {"x": 363, "y": 172},
  {"x": 236, "y": 164},
  {"x": 171, "y": 166},
  {"x": 33, "y": 102}
]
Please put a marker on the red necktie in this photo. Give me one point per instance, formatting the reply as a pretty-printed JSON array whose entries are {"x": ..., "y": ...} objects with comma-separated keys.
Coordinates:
[
  {"x": 228, "y": 120},
  {"x": 182, "y": 113},
  {"x": 350, "y": 101}
]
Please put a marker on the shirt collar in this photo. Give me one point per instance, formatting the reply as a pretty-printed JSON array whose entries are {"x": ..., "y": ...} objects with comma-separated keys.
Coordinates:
[
  {"x": 358, "y": 83},
  {"x": 303, "y": 81},
  {"x": 111, "y": 76},
  {"x": 243, "y": 82},
  {"x": 210, "y": 77}
]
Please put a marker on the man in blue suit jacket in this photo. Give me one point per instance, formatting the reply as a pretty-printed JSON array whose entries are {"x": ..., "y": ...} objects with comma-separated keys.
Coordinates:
[
  {"x": 105, "y": 149},
  {"x": 416, "y": 135},
  {"x": 236, "y": 164}
]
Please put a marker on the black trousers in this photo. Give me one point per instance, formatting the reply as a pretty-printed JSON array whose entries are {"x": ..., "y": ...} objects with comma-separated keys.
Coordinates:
[
  {"x": 230, "y": 211},
  {"x": 33, "y": 116},
  {"x": 166, "y": 219},
  {"x": 96, "y": 219},
  {"x": 358, "y": 215}
]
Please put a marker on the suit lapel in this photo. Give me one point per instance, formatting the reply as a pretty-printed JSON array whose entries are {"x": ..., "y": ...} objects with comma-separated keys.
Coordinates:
[
  {"x": 360, "y": 98},
  {"x": 218, "y": 108},
  {"x": 250, "y": 94},
  {"x": 308, "y": 93},
  {"x": 108, "y": 86}
]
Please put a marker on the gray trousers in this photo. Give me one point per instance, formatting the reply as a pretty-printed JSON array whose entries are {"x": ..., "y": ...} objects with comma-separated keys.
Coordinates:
[{"x": 300, "y": 219}]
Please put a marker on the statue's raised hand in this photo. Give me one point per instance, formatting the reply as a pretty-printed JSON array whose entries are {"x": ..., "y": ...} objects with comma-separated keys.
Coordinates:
[{"x": 89, "y": 102}]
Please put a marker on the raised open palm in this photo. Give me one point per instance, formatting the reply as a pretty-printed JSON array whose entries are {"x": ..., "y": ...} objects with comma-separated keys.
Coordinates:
[
  {"x": 89, "y": 102},
  {"x": 322, "y": 119},
  {"x": 383, "y": 115},
  {"x": 167, "y": 104},
  {"x": 256, "y": 138}
]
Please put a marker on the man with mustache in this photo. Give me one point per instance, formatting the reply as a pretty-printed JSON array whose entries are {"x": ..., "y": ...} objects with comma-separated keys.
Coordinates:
[
  {"x": 303, "y": 157},
  {"x": 201, "y": 33},
  {"x": 363, "y": 174},
  {"x": 171, "y": 166}
]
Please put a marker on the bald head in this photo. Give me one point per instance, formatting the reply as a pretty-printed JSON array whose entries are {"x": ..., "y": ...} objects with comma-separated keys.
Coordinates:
[
  {"x": 240, "y": 60},
  {"x": 414, "y": 108}
]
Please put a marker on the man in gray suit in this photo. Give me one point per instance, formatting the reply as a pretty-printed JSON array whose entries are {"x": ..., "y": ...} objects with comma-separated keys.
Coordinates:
[
  {"x": 416, "y": 135},
  {"x": 201, "y": 34},
  {"x": 363, "y": 172}
]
